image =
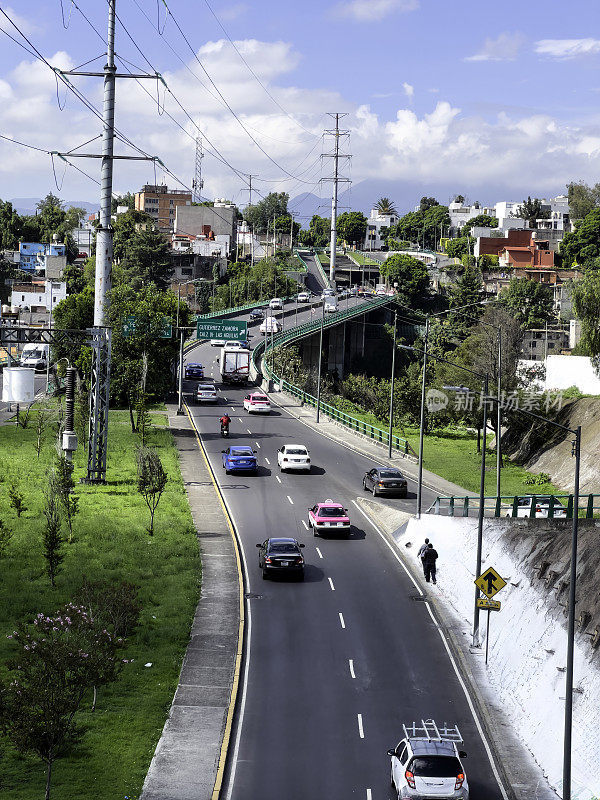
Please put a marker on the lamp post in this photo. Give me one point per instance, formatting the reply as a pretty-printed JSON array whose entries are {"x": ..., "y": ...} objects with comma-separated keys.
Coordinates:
[
  {"x": 422, "y": 421},
  {"x": 320, "y": 357},
  {"x": 49, "y": 328},
  {"x": 392, "y": 386}
]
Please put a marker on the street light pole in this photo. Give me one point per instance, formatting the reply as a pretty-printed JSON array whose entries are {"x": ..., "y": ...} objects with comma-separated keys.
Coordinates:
[
  {"x": 422, "y": 423},
  {"x": 566, "y": 792},
  {"x": 180, "y": 406},
  {"x": 499, "y": 415},
  {"x": 392, "y": 386},
  {"x": 480, "y": 515},
  {"x": 320, "y": 357}
]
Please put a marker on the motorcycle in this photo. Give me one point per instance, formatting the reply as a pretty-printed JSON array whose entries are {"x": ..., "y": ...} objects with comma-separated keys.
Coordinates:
[{"x": 225, "y": 431}]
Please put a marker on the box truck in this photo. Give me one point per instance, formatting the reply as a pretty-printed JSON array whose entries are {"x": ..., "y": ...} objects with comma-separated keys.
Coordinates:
[{"x": 234, "y": 365}]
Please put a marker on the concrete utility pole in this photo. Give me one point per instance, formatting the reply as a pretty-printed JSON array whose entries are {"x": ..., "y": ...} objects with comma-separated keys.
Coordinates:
[
  {"x": 198, "y": 182},
  {"x": 336, "y": 180}
]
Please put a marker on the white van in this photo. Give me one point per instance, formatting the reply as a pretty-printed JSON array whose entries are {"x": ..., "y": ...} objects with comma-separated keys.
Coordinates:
[
  {"x": 35, "y": 355},
  {"x": 269, "y": 325},
  {"x": 330, "y": 304}
]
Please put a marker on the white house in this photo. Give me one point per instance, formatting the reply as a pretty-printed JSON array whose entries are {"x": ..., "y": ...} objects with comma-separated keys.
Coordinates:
[
  {"x": 460, "y": 214},
  {"x": 38, "y": 295},
  {"x": 373, "y": 238}
]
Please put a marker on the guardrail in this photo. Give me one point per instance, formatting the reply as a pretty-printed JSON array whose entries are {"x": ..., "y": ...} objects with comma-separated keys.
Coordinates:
[
  {"x": 508, "y": 506},
  {"x": 234, "y": 310},
  {"x": 359, "y": 426}
]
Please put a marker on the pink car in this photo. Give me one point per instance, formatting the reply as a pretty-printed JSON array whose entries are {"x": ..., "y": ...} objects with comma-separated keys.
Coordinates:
[{"x": 329, "y": 517}]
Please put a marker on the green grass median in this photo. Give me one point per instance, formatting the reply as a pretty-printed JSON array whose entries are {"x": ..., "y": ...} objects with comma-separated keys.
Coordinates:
[{"x": 110, "y": 542}]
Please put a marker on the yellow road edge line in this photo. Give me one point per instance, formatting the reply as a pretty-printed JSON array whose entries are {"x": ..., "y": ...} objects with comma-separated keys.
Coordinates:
[{"x": 241, "y": 628}]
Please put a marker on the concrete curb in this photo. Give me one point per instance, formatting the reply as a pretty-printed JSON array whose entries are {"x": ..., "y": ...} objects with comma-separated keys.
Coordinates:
[
  {"x": 508, "y": 750},
  {"x": 189, "y": 760}
]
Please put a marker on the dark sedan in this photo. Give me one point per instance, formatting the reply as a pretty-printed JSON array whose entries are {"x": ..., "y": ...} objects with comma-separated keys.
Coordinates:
[
  {"x": 194, "y": 371},
  {"x": 385, "y": 480},
  {"x": 256, "y": 314},
  {"x": 281, "y": 556}
]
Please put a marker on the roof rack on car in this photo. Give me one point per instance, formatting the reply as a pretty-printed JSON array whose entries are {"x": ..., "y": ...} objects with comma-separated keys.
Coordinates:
[{"x": 429, "y": 731}]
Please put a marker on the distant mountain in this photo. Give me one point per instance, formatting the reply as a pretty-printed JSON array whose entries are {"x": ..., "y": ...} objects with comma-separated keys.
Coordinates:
[{"x": 26, "y": 205}]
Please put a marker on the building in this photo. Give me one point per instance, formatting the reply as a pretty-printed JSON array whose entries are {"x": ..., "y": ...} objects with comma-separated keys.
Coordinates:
[
  {"x": 161, "y": 204},
  {"x": 221, "y": 219},
  {"x": 249, "y": 245},
  {"x": 44, "y": 259},
  {"x": 84, "y": 239},
  {"x": 539, "y": 343},
  {"x": 374, "y": 238},
  {"x": 460, "y": 213},
  {"x": 37, "y": 296}
]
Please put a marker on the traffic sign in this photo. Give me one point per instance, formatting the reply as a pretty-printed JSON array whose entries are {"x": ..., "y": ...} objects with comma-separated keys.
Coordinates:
[
  {"x": 490, "y": 605},
  {"x": 166, "y": 331},
  {"x": 129, "y": 325},
  {"x": 490, "y": 582},
  {"x": 231, "y": 330}
]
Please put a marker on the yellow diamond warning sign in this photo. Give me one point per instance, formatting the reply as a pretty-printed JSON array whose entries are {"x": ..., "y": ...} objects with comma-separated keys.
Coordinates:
[{"x": 490, "y": 583}]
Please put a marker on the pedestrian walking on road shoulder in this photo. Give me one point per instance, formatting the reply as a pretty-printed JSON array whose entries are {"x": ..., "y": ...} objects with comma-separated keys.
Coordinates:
[
  {"x": 429, "y": 558},
  {"x": 421, "y": 553}
]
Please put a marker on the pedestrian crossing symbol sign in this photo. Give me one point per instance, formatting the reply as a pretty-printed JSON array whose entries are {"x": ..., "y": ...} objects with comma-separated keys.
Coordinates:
[{"x": 490, "y": 582}]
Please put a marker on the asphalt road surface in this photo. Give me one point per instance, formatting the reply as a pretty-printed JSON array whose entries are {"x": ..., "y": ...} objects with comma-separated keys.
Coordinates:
[{"x": 337, "y": 663}]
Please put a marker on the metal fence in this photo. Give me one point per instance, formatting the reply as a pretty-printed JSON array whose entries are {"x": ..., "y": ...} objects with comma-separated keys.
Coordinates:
[{"x": 508, "y": 506}]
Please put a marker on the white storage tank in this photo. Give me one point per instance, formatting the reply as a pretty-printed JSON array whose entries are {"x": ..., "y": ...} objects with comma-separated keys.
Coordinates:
[{"x": 18, "y": 385}]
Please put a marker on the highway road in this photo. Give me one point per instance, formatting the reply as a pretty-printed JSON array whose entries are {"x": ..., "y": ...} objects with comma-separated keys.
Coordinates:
[{"x": 337, "y": 663}]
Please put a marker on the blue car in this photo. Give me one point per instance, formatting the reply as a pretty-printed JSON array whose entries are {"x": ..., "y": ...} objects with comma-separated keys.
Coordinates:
[
  {"x": 194, "y": 371},
  {"x": 240, "y": 458}
]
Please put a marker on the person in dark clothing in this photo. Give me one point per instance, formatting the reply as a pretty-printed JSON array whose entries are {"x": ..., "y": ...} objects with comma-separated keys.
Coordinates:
[
  {"x": 429, "y": 558},
  {"x": 421, "y": 552}
]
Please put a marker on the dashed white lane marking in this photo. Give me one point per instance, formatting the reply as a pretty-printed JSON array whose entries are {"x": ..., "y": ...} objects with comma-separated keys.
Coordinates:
[
  {"x": 319, "y": 552},
  {"x": 277, "y": 478},
  {"x": 351, "y": 665},
  {"x": 306, "y": 526},
  {"x": 257, "y": 444},
  {"x": 240, "y": 419},
  {"x": 248, "y": 429},
  {"x": 331, "y": 584},
  {"x": 267, "y": 460},
  {"x": 342, "y": 623},
  {"x": 233, "y": 408},
  {"x": 361, "y": 732},
  {"x": 290, "y": 499},
  {"x": 369, "y": 795}
]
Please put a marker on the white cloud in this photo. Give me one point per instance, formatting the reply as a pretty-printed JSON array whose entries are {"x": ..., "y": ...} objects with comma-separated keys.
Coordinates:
[
  {"x": 23, "y": 23},
  {"x": 505, "y": 47},
  {"x": 232, "y": 12},
  {"x": 373, "y": 10},
  {"x": 567, "y": 48},
  {"x": 409, "y": 90}
]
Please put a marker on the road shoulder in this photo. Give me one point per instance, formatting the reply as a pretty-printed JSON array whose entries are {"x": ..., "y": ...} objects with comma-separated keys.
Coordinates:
[{"x": 189, "y": 759}]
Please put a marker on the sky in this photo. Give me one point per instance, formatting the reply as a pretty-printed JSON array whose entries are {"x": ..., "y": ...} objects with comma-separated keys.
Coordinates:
[{"x": 490, "y": 101}]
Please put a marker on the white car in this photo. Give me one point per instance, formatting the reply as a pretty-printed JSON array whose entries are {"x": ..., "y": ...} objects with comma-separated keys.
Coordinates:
[
  {"x": 425, "y": 768},
  {"x": 206, "y": 393},
  {"x": 330, "y": 305},
  {"x": 304, "y": 297},
  {"x": 257, "y": 403},
  {"x": 293, "y": 456},
  {"x": 542, "y": 507},
  {"x": 276, "y": 303},
  {"x": 327, "y": 293},
  {"x": 236, "y": 346},
  {"x": 269, "y": 325},
  {"x": 218, "y": 342}
]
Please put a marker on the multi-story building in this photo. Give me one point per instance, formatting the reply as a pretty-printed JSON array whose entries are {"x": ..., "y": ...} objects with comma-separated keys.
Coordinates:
[
  {"x": 539, "y": 343},
  {"x": 373, "y": 237},
  {"x": 37, "y": 296},
  {"x": 221, "y": 218},
  {"x": 47, "y": 259},
  {"x": 460, "y": 213},
  {"x": 161, "y": 203}
]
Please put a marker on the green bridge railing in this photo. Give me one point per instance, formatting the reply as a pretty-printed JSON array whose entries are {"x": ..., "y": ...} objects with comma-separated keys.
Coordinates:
[{"x": 508, "y": 506}]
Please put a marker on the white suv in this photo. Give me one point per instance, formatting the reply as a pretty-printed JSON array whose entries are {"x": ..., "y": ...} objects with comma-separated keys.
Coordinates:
[
  {"x": 276, "y": 303},
  {"x": 293, "y": 456},
  {"x": 428, "y": 764}
]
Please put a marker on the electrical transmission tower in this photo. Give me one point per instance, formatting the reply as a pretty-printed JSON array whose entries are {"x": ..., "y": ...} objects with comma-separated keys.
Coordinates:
[
  {"x": 101, "y": 332},
  {"x": 198, "y": 183},
  {"x": 336, "y": 180}
]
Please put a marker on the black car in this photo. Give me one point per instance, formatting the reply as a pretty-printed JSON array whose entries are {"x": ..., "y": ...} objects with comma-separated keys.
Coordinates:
[
  {"x": 256, "y": 314},
  {"x": 385, "y": 480},
  {"x": 281, "y": 556},
  {"x": 194, "y": 371}
]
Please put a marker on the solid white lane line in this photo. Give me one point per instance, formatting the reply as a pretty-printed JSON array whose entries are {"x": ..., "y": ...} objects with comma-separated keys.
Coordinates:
[
  {"x": 486, "y": 744},
  {"x": 369, "y": 795},
  {"x": 342, "y": 623},
  {"x": 290, "y": 499},
  {"x": 331, "y": 584},
  {"x": 267, "y": 460},
  {"x": 361, "y": 732},
  {"x": 318, "y": 551},
  {"x": 351, "y": 664},
  {"x": 306, "y": 526},
  {"x": 277, "y": 478},
  {"x": 257, "y": 444}
]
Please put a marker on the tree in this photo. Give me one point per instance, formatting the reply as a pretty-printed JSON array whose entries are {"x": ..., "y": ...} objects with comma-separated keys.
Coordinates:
[
  {"x": 260, "y": 215},
  {"x": 582, "y": 246},
  {"x": 352, "y": 227},
  {"x": 63, "y": 486},
  {"x": 427, "y": 203},
  {"x": 151, "y": 480},
  {"x": 44, "y": 416},
  {"x": 75, "y": 312},
  {"x": 125, "y": 227},
  {"x": 127, "y": 199},
  {"x": 460, "y": 198},
  {"x": 423, "y": 227},
  {"x": 532, "y": 210},
  {"x": 530, "y": 302},
  {"x": 59, "y": 658},
  {"x": 480, "y": 221},
  {"x": 74, "y": 278},
  {"x": 467, "y": 290},
  {"x": 582, "y": 199},
  {"x": 52, "y": 540},
  {"x": 411, "y": 276},
  {"x": 386, "y": 206},
  {"x": 147, "y": 259},
  {"x": 457, "y": 248},
  {"x": 586, "y": 303},
  {"x": 16, "y": 499}
]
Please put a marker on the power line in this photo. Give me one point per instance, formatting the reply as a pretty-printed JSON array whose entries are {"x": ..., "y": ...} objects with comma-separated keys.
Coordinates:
[{"x": 50, "y": 153}]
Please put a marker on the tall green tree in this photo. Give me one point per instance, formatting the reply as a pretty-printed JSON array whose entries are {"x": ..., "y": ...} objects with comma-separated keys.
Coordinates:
[
  {"x": 385, "y": 206},
  {"x": 147, "y": 259},
  {"x": 318, "y": 233},
  {"x": 480, "y": 221},
  {"x": 586, "y": 303},
  {"x": 260, "y": 215},
  {"x": 352, "y": 227},
  {"x": 530, "y": 302},
  {"x": 411, "y": 276},
  {"x": 582, "y": 246},
  {"x": 127, "y": 199},
  {"x": 427, "y": 203},
  {"x": 532, "y": 210},
  {"x": 457, "y": 248},
  {"x": 582, "y": 199}
]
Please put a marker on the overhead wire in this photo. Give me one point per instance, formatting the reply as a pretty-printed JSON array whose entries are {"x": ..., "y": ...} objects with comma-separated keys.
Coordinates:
[{"x": 49, "y": 153}]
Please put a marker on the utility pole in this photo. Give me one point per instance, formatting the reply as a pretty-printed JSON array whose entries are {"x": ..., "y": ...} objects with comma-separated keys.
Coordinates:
[
  {"x": 336, "y": 180},
  {"x": 252, "y": 227},
  {"x": 198, "y": 182},
  {"x": 101, "y": 332}
]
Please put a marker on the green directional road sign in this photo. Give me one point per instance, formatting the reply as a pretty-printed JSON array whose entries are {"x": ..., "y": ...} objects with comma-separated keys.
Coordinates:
[
  {"x": 166, "y": 331},
  {"x": 230, "y": 330},
  {"x": 129, "y": 326}
]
